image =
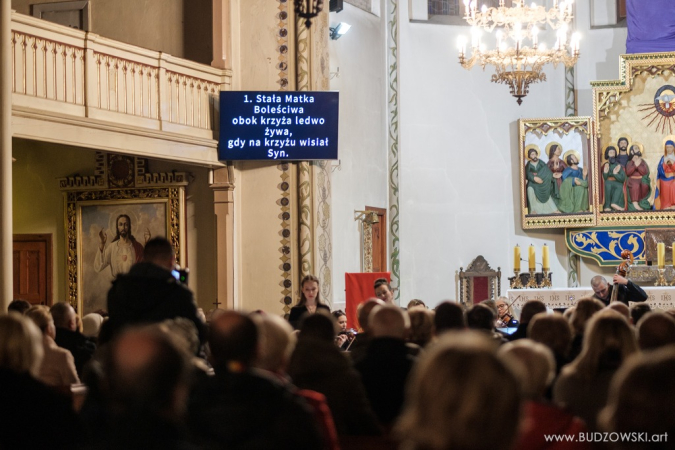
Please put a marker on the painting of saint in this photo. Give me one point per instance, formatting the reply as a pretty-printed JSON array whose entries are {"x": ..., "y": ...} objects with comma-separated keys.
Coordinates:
[
  {"x": 123, "y": 252},
  {"x": 574, "y": 188},
  {"x": 665, "y": 178},
  {"x": 540, "y": 183},
  {"x": 613, "y": 189},
  {"x": 555, "y": 165},
  {"x": 638, "y": 184},
  {"x": 111, "y": 239}
]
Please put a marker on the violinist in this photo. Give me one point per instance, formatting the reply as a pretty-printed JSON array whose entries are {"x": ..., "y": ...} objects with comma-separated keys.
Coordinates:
[
  {"x": 505, "y": 316},
  {"x": 345, "y": 336}
]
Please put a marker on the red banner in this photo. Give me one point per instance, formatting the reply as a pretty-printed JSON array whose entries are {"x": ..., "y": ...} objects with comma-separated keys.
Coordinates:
[{"x": 359, "y": 288}]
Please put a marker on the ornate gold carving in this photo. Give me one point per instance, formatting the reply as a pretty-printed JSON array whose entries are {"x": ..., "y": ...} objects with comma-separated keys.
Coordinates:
[{"x": 367, "y": 247}]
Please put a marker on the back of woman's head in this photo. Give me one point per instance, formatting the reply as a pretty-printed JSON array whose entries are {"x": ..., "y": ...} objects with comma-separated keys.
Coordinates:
[
  {"x": 41, "y": 316},
  {"x": 20, "y": 344},
  {"x": 457, "y": 393},
  {"x": 421, "y": 326},
  {"x": 583, "y": 311},
  {"x": 608, "y": 341},
  {"x": 534, "y": 364},
  {"x": 552, "y": 330},
  {"x": 321, "y": 326}
]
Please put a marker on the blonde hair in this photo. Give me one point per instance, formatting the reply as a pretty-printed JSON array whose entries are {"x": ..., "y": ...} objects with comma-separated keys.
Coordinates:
[
  {"x": 20, "y": 344},
  {"x": 551, "y": 330},
  {"x": 535, "y": 363},
  {"x": 40, "y": 315},
  {"x": 608, "y": 342},
  {"x": 458, "y": 391},
  {"x": 277, "y": 342}
]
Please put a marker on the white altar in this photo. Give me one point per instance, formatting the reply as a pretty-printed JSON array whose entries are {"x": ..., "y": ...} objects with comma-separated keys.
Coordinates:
[{"x": 659, "y": 297}]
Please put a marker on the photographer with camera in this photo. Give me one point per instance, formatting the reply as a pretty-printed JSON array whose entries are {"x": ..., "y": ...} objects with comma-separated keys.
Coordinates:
[{"x": 151, "y": 293}]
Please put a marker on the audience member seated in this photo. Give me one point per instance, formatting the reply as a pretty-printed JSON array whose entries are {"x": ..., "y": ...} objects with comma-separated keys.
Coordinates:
[
  {"x": 530, "y": 309},
  {"x": 448, "y": 316},
  {"x": 641, "y": 402},
  {"x": 535, "y": 368},
  {"x": 583, "y": 311},
  {"x": 416, "y": 304},
  {"x": 147, "y": 380},
  {"x": 628, "y": 291},
  {"x": 637, "y": 310},
  {"x": 388, "y": 363},
  {"x": 33, "y": 415},
  {"x": 310, "y": 301},
  {"x": 482, "y": 317},
  {"x": 622, "y": 309},
  {"x": 188, "y": 339},
  {"x": 277, "y": 341},
  {"x": 505, "y": 316},
  {"x": 91, "y": 325},
  {"x": 421, "y": 327},
  {"x": 67, "y": 336},
  {"x": 554, "y": 332},
  {"x": 150, "y": 294},
  {"x": 58, "y": 365},
  {"x": 362, "y": 340},
  {"x": 240, "y": 407},
  {"x": 19, "y": 306},
  {"x": 656, "y": 330},
  {"x": 584, "y": 383},
  {"x": 383, "y": 291},
  {"x": 458, "y": 395},
  {"x": 317, "y": 364}
]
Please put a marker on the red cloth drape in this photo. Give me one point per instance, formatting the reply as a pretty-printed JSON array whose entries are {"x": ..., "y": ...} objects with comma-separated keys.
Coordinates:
[{"x": 359, "y": 287}]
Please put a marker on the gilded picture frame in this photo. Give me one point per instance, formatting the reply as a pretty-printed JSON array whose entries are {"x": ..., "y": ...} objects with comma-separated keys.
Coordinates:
[
  {"x": 92, "y": 214},
  {"x": 639, "y": 106},
  {"x": 551, "y": 196}
]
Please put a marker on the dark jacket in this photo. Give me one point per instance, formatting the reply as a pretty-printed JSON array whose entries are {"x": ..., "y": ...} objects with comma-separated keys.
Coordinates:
[
  {"x": 322, "y": 367},
  {"x": 297, "y": 312},
  {"x": 78, "y": 344},
  {"x": 627, "y": 293},
  {"x": 34, "y": 416},
  {"x": 384, "y": 372},
  {"x": 150, "y": 294},
  {"x": 251, "y": 411}
]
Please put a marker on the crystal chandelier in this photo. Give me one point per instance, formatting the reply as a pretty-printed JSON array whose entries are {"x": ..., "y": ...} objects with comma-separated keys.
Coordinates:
[{"x": 518, "y": 65}]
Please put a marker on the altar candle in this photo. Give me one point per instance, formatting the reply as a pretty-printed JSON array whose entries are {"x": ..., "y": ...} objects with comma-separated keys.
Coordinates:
[
  {"x": 516, "y": 258},
  {"x": 544, "y": 258},
  {"x": 661, "y": 254},
  {"x": 531, "y": 258}
]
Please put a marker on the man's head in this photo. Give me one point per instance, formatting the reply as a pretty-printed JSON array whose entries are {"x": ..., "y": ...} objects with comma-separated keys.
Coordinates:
[
  {"x": 635, "y": 150},
  {"x": 600, "y": 286},
  {"x": 622, "y": 143},
  {"x": 19, "y": 306},
  {"x": 572, "y": 160},
  {"x": 481, "y": 317},
  {"x": 610, "y": 154},
  {"x": 233, "y": 339},
  {"x": 637, "y": 310},
  {"x": 64, "y": 316},
  {"x": 449, "y": 315},
  {"x": 320, "y": 326},
  {"x": 388, "y": 321},
  {"x": 363, "y": 312},
  {"x": 656, "y": 330},
  {"x": 277, "y": 341},
  {"x": 159, "y": 251},
  {"x": 123, "y": 225},
  {"x": 147, "y": 372},
  {"x": 533, "y": 155},
  {"x": 554, "y": 150}
]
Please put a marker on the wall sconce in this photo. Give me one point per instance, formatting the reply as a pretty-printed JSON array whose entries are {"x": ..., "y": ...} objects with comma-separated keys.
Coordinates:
[
  {"x": 369, "y": 217},
  {"x": 338, "y": 30}
]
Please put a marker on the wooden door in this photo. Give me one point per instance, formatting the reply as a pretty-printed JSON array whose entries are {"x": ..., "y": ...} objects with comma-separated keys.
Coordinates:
[
  {"x": 32, "y": 258},
  {"x": 379, "y": 240}
]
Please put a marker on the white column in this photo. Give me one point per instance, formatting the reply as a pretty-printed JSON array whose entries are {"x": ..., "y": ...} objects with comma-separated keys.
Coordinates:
[{"x": 6, "y": 287}]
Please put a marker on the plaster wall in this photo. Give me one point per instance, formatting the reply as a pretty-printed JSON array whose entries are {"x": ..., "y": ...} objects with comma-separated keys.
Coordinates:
[
  {"x": 181, "y": 28},
  {"x": 39, "y": 208},
  {"x": 358, "y": 72},
  {"x": 459, "y": 157}
]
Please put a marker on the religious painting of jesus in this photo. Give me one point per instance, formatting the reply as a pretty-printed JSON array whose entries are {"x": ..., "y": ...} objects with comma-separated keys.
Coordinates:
[{"x": 112, "y": 240}]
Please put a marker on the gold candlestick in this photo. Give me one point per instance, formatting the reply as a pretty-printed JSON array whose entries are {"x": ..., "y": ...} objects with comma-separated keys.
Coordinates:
[
  {"x": 532, "y": 282},
  {"x": 545, "y": 281},
  {"x": 516, "y": 283},
  {"x": 661, "y": 280}
]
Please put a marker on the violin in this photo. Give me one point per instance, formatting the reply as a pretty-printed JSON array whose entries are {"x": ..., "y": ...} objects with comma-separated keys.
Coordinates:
[{"x": 505, "y": 319}]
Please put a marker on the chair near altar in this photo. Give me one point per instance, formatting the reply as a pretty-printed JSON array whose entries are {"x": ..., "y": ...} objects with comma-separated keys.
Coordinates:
[{"x": 479, "y": 282}]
